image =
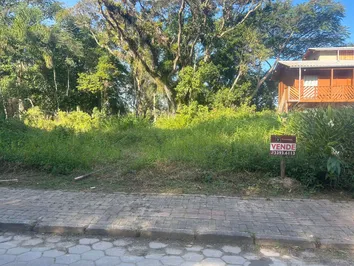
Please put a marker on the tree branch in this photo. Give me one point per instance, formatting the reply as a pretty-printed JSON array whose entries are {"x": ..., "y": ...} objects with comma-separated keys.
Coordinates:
[
  {"x": 250, "y": 11},
  {"x": 180, "y": 26}
]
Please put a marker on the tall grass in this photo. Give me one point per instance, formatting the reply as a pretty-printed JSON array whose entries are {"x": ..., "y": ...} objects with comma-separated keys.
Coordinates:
[{"x": 225, "y": 139}]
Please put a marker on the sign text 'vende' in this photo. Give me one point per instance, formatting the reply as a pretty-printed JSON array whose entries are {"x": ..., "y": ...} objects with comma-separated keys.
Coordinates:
[{"x": 282, "y": 145}]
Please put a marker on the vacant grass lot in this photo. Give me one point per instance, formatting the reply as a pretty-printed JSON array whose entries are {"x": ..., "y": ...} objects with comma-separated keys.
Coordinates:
[{"x": 197, "y": 151}]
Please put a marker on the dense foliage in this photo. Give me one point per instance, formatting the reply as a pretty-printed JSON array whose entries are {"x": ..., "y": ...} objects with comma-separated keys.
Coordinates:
[
  {"x": 152, "y": 57},
  {"x": 219, "y": 140},
  {"x": 165, "y": 81}
]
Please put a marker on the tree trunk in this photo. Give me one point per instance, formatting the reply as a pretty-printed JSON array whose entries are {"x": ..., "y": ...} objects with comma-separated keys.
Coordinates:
[
  {"x": 56, "y": 88},
  {"x": 236, "y": 80},
  {"x": 168, "y": 92},
  {"x": 68, "y": 84},
  {"x": 21, "y": 108},
  {"x": 138, "y": 95},
  {"x": 4, "y": 105},
  {"x": 265, "y": 77},
  {"x": 154, "y": 107}
]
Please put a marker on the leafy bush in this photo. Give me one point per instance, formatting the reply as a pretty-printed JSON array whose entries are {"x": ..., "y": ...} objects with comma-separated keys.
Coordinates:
[{"x": 326, "y": 141}]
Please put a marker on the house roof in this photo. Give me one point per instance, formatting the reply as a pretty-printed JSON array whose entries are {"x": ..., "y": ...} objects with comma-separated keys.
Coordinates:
[
  {"x": 318, "y": 49},
  {"x": 331, "y": 48},
  {"x": 317, "y": 63}
]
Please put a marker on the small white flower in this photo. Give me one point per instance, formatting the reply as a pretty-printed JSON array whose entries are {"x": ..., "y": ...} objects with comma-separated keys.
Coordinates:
[
  {"x": 330, "y": 123},
  {"x": 335, "y": 152}
]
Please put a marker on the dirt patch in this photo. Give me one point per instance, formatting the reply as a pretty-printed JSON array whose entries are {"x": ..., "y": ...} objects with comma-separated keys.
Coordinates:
[{"x": 164, "y": 177}]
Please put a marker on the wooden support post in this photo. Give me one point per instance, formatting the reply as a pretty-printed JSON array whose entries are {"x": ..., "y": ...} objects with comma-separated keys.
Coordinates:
[
  {"x": 282, "y": 167},
  {"x": 299, "y": 83},
  {"x": 332, "y": 74}
]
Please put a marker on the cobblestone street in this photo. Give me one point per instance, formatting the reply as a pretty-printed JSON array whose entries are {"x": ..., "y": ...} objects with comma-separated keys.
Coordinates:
[{"x": 46, "y": 250}]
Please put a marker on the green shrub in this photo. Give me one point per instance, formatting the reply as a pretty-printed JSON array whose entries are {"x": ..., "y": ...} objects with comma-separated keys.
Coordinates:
[{"x": 326, "y": 146}]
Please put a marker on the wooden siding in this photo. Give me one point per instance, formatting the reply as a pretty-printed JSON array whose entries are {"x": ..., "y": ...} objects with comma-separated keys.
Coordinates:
[{"x": 334, "y": 86}]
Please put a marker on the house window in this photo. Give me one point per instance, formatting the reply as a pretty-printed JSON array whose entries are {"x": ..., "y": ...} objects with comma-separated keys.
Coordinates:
[{"x": 310, "y": 81}]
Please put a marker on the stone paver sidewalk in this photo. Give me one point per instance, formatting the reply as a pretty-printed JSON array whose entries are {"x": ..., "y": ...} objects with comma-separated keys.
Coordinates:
[
  {"x": 45, "y": 250},
  {"x": 312, "y": 222}
]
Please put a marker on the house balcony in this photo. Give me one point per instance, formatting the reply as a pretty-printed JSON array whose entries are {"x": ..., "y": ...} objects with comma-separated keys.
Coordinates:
[
  {"x": 321, "y": 94},
  {"x": 315, "y": 95}
]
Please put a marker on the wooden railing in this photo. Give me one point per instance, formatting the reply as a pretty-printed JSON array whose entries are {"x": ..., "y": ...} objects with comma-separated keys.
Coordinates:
[{"x": 321, "y": 94}]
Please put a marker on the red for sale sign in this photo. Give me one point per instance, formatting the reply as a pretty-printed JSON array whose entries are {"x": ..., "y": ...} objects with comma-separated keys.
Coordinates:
[{"x": 282, "y": 145}]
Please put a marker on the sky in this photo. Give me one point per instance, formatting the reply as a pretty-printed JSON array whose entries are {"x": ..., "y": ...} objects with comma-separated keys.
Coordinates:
[{"x": 348, "y": 20}]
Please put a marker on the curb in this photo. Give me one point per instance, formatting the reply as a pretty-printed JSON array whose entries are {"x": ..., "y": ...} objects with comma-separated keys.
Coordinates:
[{"x": 180, "y": 235}]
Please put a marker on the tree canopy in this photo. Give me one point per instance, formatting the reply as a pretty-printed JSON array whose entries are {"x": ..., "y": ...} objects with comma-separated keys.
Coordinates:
[{"x": 154, "y": 56}]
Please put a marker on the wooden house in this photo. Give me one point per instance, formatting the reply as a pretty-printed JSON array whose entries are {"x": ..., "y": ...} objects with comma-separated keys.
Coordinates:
[{"x": 324, "y": 76}]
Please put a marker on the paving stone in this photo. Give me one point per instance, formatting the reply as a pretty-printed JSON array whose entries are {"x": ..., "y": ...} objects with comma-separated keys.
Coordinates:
[
  {"x": 171, "y": 260},
  {"x": 2, "y": 251},
  {"x": 276, "y": 262},
  {"x": 131, "y": 259},
  {"x": 173, "y": 251},
  {"x": 234, "y": 259},
  {"x": 157, "y": 245},
  {"x": 154, "y": 255},
  {"x": 83, "y": 263},
  {"x": 68, "y": 258},
  {"x": 6, "y": 259},
  {"x": 7, "y": 245},
  {"x": 138, "y": 250},
  {"x": 102, "y": 245},
  {"x": 53, "y": 239},
  {"x": 122, "y": 243},
  {"x": 32, "y": 242},
  {"x": 126, "y": 264},
  {"x": 115, "y": 252},
  {"x": 212, "y": 262},
  {"x": 189, "y": 263},
  {"x": 88, "y": 241},
  {"x": 149, "y": 262},
  {"x": 231, "y": 249},
  {"x": 5, "y": 238},
  {"x": 192, "y": 256},
  {"x": 17, "y": 250},
  {"x": 92, "y": 255},
  {"x": 42, "y": 262},
  {"x": 108, "y": 261},
  {"x": 194, "y": 248},
  {"x": 42, "y": 248},
  {"x": 21, "y": 237},
  {"x": 28, "y": 256},
  {"x": 17, "y": 263},
  {"x": 53, "y": 253},
  {"x": 64, "y": 245},
  {"x": 269, "y": 252},
  {"x": 214, "y": 253},
  {"x": 250, "y": 256},
  {"x": 79, "y": 249}
]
